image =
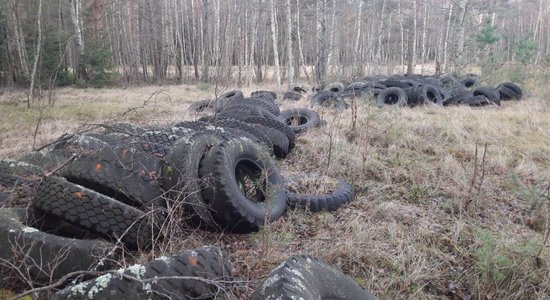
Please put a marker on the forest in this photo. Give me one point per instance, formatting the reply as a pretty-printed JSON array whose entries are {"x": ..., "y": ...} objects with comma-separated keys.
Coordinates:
[{"x": 50, "y": 43}]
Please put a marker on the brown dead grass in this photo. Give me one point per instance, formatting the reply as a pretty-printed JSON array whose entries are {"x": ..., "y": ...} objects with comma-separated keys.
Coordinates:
[{"x": 430, "y": 220}]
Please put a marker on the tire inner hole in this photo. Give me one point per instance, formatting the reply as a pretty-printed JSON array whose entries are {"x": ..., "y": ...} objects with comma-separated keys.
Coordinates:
[{"x": 251, "y": 181}]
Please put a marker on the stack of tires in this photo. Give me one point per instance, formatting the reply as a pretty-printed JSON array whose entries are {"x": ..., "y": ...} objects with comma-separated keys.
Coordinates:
[{"x": 414, "y": 90}]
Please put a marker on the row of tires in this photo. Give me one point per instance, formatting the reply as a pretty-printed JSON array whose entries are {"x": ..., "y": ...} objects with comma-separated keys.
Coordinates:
[
  {"x": 118, "y": 188},
  {"x": 411, "y": 91}
]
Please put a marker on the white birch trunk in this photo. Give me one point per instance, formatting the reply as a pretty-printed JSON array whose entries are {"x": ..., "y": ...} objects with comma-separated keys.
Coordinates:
[{"x": 274, "y": 38}]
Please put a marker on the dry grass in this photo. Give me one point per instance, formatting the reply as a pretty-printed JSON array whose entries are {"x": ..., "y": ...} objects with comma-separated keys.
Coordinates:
[{"x": 450, "y": 201}]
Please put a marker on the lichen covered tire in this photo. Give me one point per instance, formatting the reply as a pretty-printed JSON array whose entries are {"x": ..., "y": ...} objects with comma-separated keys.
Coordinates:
[
  {"x": 305, "y": 277},
  {"x": 242, "y": 185},
  {"x": 95, "y": 212},
  {"x": 342, "y": 194},
  {"x": 300, "y": 119},
  {"x": 47, "y": 256},
  {"x": 202, "y": 272}
]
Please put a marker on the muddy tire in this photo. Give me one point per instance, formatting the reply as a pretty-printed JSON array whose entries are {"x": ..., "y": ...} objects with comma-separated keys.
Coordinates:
[
  {"x": 300, "y": 119},
  {"x": 342, "y": 194},
  {"x": 94, "y": 212},
  {"x": 25, "y": 246},
  {"x": 242, "y": 185},
  {"x": 202, "y": 267},
  {"x": 392, "y": 96},
  {"x": 305, "y": 277}
]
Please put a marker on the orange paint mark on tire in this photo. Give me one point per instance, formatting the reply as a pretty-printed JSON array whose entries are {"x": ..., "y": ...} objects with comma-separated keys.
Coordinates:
[
  {"x": 98, "y": 167},
  {"x": 192, "y": 260},
  {"x": 78, "y": 195}
]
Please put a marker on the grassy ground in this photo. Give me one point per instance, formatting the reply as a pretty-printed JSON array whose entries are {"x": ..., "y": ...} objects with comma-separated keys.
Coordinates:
[{"x": 451, "y": 202}]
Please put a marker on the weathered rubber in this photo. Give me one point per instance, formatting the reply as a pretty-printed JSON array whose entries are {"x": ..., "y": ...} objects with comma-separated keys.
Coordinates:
[
  {"x": 181, "y": 173},
  {"x": 221, "y": 189},
  {"x": 342, "y": 194},
  {"x": 307, "y": 119},
  {"x": 46, "y": 256},
  {"x": 206, "y": 269},
  {"x": 125, "y": 172},
  {"x": 95, "y": 212},
  {"x": 305, "y": 277}
]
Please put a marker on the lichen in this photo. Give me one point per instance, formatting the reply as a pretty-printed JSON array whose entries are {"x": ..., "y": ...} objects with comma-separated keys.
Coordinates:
[
  {"x": 101, "y": 283},
  {"x": 29, "y": 229},
  {"x": 138, "y": 270},
  {"x": 78, "y": 289}
]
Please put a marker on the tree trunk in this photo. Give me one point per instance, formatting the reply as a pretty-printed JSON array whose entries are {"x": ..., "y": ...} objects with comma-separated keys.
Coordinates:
[
  {"x": 36, "y": 54},
  {"x": 290, "y": 63},
  {"x": 81, "y": 70},
  {"x": 459, "y": 62},
  {"x": 445, "y": 43},
  {"x": 274, "y": 37}
]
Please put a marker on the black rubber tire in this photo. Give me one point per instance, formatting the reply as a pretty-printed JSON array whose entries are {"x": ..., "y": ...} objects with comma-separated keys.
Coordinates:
[
  {"x": 251, "y": 128},
  {"x": 392, "y": 96},
  {"x": 264, "y": 95},
  {"x": 19, "y": 168},
  {"x": 202, "y": 263},
  {"x": 25, "y": 246},
  {"x": 490, "y": 93},
  {"x": 227, "y": 98},
  {"x": 403, "y": 84},
  {"x": 224, "y": 173},
  {"x": 240, "y": 111},
  {"x": 328, "y": 99},
  {"x": 306, "y": 277},
  {"x": 263, "y": 104},
  {"x": 509, "y": 91},
  {"x": 290, "y": 95},
  {"x": 126, "y": 128},
  {"x": 342, "y": 194},
  {"x": 459, "y": 97},
  {"x": 299, "y": 89},
  {"x": 125, "y": 173},
  {"x": 202, "y": 105},
  {"x": 335, "y": 87},
  {"x": 181, "y": 174},
  {"x": 469, "y": 82},
  {"x": 306, "y": 119},
  {"x": 45, "y": 160},
  {"x": 12, "y": 181},
  {"x": 428, "y": 94},
  {"x": 95, "y": 212},
  {"x": 275, "y": 124}
]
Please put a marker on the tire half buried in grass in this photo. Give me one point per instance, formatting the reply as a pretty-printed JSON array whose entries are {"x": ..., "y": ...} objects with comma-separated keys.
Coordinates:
[
  {"x": 300, "y": 119},
  {"x": 242, "y": 185},
  {"x": 305, "y": 277},
  {"x": 342, "y": 194}
]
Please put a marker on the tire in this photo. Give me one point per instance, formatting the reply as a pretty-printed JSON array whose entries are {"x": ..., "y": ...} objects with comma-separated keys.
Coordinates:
[
  {"x": 398, "y": 83},
  {"x": 358, "y": 85},
  {"x": 469, "y": 82},
  {"x": 255, "y": 108},
  {"x": 328, "y": 99},
  {"x": 299, "y": 89},
  {"x": 292, "y": 96},
  {"x": 125, "y": 173},
  {"x": 227, "y": 98},
  {"x": 343, "y": 193},
  {"x": 17, "y": 191},
  {"x": 335, "y": 87},
  {"x": 264, "y": 95},
  {"x": 44, "y": 160},
  {"x": 459, "y": 97},
  {"x": 300, "y": 119},
  {"x": 25, "y": 246},
  {"x": 305, "y": 277},
  {"x": 126, "y": 128},
  {"x": 19, "y": 168},
  {"x": 392, "y": 96},
  {"x": 95, "y": 212},
  {"x": 202, "y": 263},
  {"x": 202, "y": 105},
  {"x": 224, "y": 174},
  {"x": 509, "y": 91},
  {"x": 181, "y": 174},
  {"x": 490, "y": 93},
  {"x": 253, "y": 129},
  {"x": 428, "y": 94},
  {"x": 275, "y": 124}
]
